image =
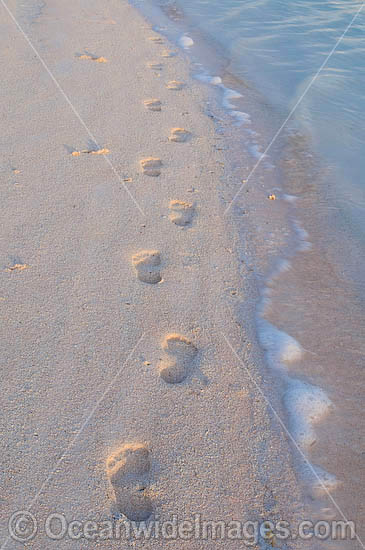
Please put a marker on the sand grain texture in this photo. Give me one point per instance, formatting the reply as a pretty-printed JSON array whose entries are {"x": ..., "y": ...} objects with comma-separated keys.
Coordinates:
[{"x": 80, "y": 325}]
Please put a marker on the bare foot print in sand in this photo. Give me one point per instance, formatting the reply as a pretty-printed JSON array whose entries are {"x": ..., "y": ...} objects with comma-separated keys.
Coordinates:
[
  {"x": 181, "y": 354},
  {"x": 152, "y": 104},
  {"x": 179, "y": 135},
  {"x": 168, "y": 53},
  {"x": 90, "y": 152},
  {"x": 128, "y": 470},
  {"x": 175, "y": 85},
  {"x": 18, "y": 267},
  {"x": 151, "y": 166},
  {"x": 181, "y": 213},
  {"x": 92, "y": 58},
  {"x": 155, "y": 66},
  {"x": 156, "y": 39},
  {"x": 148, "y": 264}
]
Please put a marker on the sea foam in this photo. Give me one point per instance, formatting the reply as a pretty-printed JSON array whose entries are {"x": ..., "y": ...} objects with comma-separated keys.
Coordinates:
[
  {"x": 307, "y": 405},
  {"x": 186, "y": 42},
  {"x": 282, "y": 349},
  {"x": 323, "y": 482}
]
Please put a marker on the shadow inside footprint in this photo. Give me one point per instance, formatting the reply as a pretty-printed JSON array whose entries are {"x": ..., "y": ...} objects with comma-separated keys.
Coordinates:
[
  {"x": 181, "y": 353},
  {"x": 128, "y": 471},
  {"x": 147, "y": 263}
]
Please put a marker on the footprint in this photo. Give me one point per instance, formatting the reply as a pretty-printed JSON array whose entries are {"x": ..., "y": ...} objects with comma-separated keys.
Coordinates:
[
  {"x": 93, "y": 58},
  {"x": 148, "y": 264},
  {"x": 18, "y": 267},
  {"x": 155, "y": 66},
  {"x": 175, "y": 85},
  {"x": 181, "y": 213},
  {"x": 153, "y": 104},
  {"x": 179, "y": 135},
  {"x": 128, "y": 471},
  {"x": 156, "y": 39},
  {"x": 181, "y": 354},
  {"x": 167, "y": 53},
  {"x": 151, "y": 166},
  {"x": 90, "y": 152}
]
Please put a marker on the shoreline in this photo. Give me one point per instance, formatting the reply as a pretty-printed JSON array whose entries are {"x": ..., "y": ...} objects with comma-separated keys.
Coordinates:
[
  {"x": 213, "y": 441},
  {"x": 295, "y": 161}
]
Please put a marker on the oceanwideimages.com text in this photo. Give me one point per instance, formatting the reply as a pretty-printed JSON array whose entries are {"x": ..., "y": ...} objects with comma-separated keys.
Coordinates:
[{"x": 24, "y": 526}]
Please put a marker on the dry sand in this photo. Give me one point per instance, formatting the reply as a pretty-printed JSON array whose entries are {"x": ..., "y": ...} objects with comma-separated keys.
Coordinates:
[{"x": 119, "y": 287}]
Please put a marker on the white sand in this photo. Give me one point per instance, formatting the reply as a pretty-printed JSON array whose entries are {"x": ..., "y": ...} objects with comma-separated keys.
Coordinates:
[{"x": 83, "y": 332}]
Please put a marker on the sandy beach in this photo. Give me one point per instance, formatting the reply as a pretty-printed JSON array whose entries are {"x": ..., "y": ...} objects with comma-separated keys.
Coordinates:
[{"x": 132, "y": 382}]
